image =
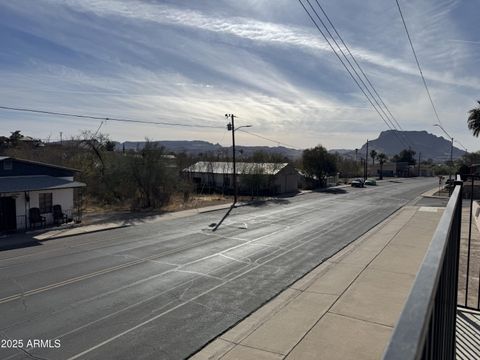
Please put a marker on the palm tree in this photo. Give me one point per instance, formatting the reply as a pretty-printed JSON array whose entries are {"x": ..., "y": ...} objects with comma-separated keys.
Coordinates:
[
  {"x": 373, "y": 155},
  {"x": 382, "y": 158},
  {"x": 474, "y": 120}
]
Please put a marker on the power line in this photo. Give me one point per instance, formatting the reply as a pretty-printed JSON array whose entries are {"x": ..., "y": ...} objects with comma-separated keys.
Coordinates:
[
  {"x": 345, "y": 66},
  {"x": 362, "y": 71},
  {"x": 459, "y": 143},
  {"x": 354, "y": 70},
  {"x": 268, "y": 139},
  {"x": 104, "y": 119},
  {"x": 346, "y": 58},
  {"x": 418, "y": 63},
  {"x": 108, "y": 118}
]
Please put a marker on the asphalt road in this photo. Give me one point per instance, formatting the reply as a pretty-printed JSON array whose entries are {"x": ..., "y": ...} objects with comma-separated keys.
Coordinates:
[{"x": 163, "y": 290}]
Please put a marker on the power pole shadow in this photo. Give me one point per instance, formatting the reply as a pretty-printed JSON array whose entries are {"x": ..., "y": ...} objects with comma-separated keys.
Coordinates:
[{"x": 224, "y": 217}]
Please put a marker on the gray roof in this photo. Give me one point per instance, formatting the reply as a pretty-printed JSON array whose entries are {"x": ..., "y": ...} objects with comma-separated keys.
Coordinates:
[
  {"x": 45, "y": 164},
  {"x": 223, "y": 167},
  {"x": 4, "y": 158},
  {"x": 37, "y": 182}
]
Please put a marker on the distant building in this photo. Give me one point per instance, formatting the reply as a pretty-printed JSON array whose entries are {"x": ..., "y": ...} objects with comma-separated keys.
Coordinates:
[
  {"x": 30, "y": 193},
  {"x": 389, "y": 169},
  {"x": 400, "y": 169},
  {"x": 252, "y": 178}
]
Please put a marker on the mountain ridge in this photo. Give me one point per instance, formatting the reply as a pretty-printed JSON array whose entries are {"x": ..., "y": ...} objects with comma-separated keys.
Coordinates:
[{"x": 428, "y": 145}]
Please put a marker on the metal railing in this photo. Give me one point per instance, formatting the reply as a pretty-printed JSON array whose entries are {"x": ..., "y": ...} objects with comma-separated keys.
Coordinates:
[
  {"x": 22, "y": 223},
  {"x": 426, "y": 328},
  {"x": 469, "y": 249}
]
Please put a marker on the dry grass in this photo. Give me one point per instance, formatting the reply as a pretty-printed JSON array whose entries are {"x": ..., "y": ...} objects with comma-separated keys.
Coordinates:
[
  {"x": 176, "y": 203},
  {"x": 195, "y": 201}
]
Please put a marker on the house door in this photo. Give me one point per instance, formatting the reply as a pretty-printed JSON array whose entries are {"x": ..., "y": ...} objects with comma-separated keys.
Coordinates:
[{"x": 8, "y": 214}]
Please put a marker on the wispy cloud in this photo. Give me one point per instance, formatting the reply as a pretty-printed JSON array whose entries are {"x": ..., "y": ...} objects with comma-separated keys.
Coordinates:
[
  {"x": 260, "y": 31},
  {"x": 193, "y": 62}
]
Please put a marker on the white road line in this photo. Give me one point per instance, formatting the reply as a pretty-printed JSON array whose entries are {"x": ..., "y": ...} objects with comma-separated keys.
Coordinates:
[{"x": 184, "y": 303}]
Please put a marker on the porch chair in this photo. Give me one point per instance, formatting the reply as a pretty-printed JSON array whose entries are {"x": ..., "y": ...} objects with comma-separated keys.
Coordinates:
[
  {"x": 59, "y": 217},
  {"x": 35, "y": 217}
]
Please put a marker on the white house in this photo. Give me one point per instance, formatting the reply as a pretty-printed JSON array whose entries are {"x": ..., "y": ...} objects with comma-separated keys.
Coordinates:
[
  {"x": 274, "y": 178},
  {"x": 30, "y": 193}
]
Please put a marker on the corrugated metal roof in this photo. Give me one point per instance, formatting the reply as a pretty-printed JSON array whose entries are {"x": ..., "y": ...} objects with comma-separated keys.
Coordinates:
[
  {"x": 222, "y": 167},
  {"x": 38, "y": 182}
]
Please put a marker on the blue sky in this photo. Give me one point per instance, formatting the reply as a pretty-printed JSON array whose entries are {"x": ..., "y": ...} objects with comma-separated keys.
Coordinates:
[{"x": 194, "y": 61}]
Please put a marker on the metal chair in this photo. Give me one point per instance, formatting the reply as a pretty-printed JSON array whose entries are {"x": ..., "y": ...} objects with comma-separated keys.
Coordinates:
[
  {"x": 59, "y": 217},
  {"x": 35, "y": 217}
]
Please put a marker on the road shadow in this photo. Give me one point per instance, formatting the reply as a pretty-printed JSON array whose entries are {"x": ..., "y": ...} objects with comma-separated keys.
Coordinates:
[
  {"x": 335, "y": 191},
  {"x": 125, "y": 218},
  {"x": 217, "y": 225},
  {"x": 264, "y": 202},
  {"x": 18, "y": 241}
]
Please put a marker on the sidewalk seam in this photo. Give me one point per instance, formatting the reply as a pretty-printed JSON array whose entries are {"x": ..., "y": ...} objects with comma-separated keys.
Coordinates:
[
  {"x": 348, "y": 287},
  {"x": 359, "y": 319},
  {"x": 375, "y": 228}
]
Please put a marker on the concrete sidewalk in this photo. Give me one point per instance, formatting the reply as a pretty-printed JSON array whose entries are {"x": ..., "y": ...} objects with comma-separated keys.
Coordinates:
[
  {"x": 345, "y": 308},
  {"x": 81, "y": 229},
  {"x": 23, "y": 239}
]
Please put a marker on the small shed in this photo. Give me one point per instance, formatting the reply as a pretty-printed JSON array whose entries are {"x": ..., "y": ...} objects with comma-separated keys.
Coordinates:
[
  {"x": 271, "y": 178},
  {"x": 26, "y": 185}
]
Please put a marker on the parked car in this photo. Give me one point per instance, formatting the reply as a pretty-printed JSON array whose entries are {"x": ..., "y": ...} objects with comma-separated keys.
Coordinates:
[
  {"x": 372, "y": 182},
  {"x": 357, "y": 183}
]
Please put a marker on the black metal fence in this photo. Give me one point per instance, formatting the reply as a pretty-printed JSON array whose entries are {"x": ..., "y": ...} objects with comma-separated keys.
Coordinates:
[
  {"x": 22, "y": 223},
  {"x": 426, "y": 328},
  {"x": 469, "y": 289}
]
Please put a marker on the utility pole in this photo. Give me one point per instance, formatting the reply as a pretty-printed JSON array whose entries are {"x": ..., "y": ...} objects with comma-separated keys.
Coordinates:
[
  {"x": 366, "y": 164},
  {"x": 419, "y": 154},
  {"x": 451, "y": 149},
  {"x": 356, "y": 162},
  {"x": 231, "y": 127},
  {"x": 451, "y": 160},
  {"x": 61, "y": 139}
]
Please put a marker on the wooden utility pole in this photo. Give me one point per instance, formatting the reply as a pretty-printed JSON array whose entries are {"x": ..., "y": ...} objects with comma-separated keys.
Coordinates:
[
  {"x": 365, "y": 174},
  {"x": 419, "y": 154},
  {"x": 231, "y": 127}
]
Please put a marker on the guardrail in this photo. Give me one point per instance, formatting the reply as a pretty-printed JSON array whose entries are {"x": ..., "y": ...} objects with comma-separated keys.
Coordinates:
[{"x": 426, "y": 328}]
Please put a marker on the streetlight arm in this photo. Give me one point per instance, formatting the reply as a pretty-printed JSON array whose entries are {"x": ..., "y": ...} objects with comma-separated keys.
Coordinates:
[{"x": 243, "y": 126}]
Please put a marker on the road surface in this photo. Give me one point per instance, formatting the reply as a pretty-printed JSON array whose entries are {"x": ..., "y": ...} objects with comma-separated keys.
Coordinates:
[{"x": 163, "y": 290}]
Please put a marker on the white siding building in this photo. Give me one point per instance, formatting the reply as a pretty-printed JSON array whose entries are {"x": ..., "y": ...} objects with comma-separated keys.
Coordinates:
[
  {"x": 272, "y": 178},
  {"x": 35, "y": 194}
]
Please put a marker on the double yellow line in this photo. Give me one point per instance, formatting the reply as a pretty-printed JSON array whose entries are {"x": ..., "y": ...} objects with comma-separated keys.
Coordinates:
[{"x": 97, "y": 273}]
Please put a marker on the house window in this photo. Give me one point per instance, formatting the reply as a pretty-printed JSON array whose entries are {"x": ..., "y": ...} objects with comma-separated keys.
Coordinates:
[
  {"x": 7, "y": 164},
  {"x": 45, "y": 202}
]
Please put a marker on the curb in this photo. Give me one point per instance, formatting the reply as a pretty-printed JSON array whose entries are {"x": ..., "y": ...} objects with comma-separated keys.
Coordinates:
[
  {"x": 375, "y": 227},
  {"x": 84, "y": 233}
]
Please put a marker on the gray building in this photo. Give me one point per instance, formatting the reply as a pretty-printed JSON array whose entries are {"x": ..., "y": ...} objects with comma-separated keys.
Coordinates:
[{"x": 252, "y": 178}]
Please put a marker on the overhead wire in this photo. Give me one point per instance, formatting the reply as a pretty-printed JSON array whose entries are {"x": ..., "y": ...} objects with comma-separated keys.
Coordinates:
[
  {"x": 346, "y": 58},
  {"x": 418, "y": 63},
  {"x": 346, "y": 67},
  {"x": 105, "y": 119},
  {"x": 393, "y": 119},
  {"x": 266, "y": 138},
  {"x": 109, "y": 118}
]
